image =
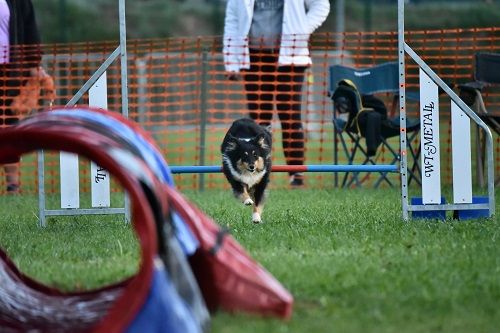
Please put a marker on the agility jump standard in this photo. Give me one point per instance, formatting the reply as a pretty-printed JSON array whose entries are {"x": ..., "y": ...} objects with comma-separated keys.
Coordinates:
[
  {"x": 292, "y": 168},
  {"x": 96, "y": 85},
  {"x": 461, "y": 116}
]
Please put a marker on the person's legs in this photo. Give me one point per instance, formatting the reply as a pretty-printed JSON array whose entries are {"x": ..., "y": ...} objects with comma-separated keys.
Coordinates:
[
  {"x": 7, "y": 118},
  {"x": 11, "y": 169},
  {"x": 12, "y": 177},
  {"x": 260, "y": 86},
  {"x": 289, "y": 100}
]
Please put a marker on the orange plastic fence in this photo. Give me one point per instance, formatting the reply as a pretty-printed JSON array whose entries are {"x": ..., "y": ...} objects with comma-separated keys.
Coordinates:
[{"x": 179, "y": 92}]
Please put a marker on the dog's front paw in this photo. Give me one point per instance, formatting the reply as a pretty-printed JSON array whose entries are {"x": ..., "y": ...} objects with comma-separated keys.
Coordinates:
[
  {"x": 248, "y": 202},
  {"x": 256, "y": 218}
]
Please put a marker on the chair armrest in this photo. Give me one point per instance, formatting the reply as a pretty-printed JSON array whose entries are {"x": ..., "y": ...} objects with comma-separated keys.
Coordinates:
[
  {"x": 475, "y": 85},
  {"x": 470, "y": 92}
]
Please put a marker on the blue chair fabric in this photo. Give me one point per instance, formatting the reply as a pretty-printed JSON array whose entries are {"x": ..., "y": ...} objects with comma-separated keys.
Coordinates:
[{"x": 369, "y": 118}]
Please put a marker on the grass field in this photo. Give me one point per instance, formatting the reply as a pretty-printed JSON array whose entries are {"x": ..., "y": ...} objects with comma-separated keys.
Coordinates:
[{"x": 349, "y": 260}]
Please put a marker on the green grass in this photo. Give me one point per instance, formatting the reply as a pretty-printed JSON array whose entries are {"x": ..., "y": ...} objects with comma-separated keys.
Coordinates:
[
  {"x": 347, "y": 257},
  {"x": 182, "y": 148},
  {"x": 72, "y": 252}
]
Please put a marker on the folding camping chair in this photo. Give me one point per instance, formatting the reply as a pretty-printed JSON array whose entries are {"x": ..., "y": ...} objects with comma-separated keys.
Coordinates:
[
  {"x": 486, "y": 75},
  {"x": 378, "y": 127}
]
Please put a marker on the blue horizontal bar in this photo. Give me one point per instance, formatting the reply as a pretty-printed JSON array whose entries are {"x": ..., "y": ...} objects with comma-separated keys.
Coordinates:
[
  {"x": 196, "y": 169},
  {"x": 293, "y": 168}
]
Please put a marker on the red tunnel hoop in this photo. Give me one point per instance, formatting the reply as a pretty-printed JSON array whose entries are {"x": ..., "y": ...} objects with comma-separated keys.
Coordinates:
[
  {"x": 228, "y": 277},
  {"x": 100, "y": 149}
]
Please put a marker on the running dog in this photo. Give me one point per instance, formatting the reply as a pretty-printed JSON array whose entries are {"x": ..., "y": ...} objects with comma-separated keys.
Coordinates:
[{"x": 246, "y": 162}]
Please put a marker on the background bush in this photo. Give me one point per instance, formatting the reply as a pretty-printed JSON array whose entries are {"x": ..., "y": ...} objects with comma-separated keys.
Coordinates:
[{"x": 77, "y": 20}]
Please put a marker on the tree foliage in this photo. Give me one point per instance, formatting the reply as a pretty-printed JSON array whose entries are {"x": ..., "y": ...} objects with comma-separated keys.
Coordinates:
[{"x": 82, "y": 20}]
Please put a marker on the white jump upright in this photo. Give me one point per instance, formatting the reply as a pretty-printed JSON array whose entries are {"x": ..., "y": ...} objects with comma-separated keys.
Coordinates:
[
  {"x": 100, "y": 178},
  {"x": 429, "y": 140},
  {"x": 69, "y": 174},
  {"x": 69, "y": 165},
  {"x": 432, "y": 199},
  {"x": 461, "y": 155}
]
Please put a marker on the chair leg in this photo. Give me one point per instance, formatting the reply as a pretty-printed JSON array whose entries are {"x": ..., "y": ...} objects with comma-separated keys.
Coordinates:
[
  {"x": 479, "y": 158},
  {"x": 416, "y": 157},
  {"x": 350, "y": 158},
  {"x": 354, "y": 177},
  {"x": 350, "y": 155},
  {"x": 480, "y": 109},
  {"x": 483, "y": 154},
  {"x": 369, "y": 160},
  {"x": 415, "y": 167},
  {"x": 383, "y": 176},
  {"x": 395, "y": 159},
  {"x": 366, "y": 161}
]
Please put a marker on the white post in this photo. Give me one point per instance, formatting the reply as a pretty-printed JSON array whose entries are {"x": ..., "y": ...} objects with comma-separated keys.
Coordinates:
[
  {"x": 99, "y": 177},
  {"x": 461, "y": 155},
  {"x": 69, "y": 176},
  {"x": 429, "y": 140}
]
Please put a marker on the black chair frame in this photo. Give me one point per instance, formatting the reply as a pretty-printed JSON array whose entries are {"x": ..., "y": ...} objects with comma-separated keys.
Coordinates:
[
  {"x": 486, "y": 75},
  {"x": 382, "y": 78}
]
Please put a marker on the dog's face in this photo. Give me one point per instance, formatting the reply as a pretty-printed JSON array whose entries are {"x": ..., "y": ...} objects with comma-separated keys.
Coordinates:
[
  {"x": 249, "y": 160},
  {"x": 248, "y": 155}
]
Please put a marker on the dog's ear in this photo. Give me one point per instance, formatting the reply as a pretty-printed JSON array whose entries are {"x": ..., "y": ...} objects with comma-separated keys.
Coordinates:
[
  {"x": 268, "y": 128},
  {"x": 232, "y": 143},
  {"x": 261, "y": 141}
]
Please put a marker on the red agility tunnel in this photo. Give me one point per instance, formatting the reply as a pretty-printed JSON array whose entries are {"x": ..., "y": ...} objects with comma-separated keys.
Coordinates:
[
  {"x": 112, "y": 308},
  {"x": 228, "y": 278}
]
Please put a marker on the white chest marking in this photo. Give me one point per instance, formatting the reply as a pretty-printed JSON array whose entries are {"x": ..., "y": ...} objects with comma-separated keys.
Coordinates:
[{"x": 247, "y": 178}]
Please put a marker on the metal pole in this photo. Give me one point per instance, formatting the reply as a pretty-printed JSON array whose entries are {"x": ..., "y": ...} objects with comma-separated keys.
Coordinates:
[
  {"x": 340, "y": 29},
  {"x": 402, "y": 109},
  {"x": 203, "y": 115},
  {"x": 93, "y": 79},
  {"x": 142, "y": 83},
  {"x": 123, "y": 58},
  {"x": 335, "y": 153},
  {"x": 124, "y": 79},
  {"x": 382, "y": 168},
  {"x": 41, "y": 189},
  {"x": 340, "y": 22}
]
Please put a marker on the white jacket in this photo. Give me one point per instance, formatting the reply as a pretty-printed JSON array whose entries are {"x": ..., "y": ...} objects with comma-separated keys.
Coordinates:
[{"x": 300, "y": 19}]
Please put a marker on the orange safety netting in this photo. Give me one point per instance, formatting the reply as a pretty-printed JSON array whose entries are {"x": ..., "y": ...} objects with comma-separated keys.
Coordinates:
[{"x": 178, "y": 91}]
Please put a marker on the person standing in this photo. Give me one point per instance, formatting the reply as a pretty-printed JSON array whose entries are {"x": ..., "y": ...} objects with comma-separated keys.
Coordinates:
[
  {"x": 266, "y": 43},
  {"x": 20, "y": 58}
]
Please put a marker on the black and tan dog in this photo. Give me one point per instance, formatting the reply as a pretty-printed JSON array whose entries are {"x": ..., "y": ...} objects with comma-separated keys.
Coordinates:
[{"x": 246, "y": 162}]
